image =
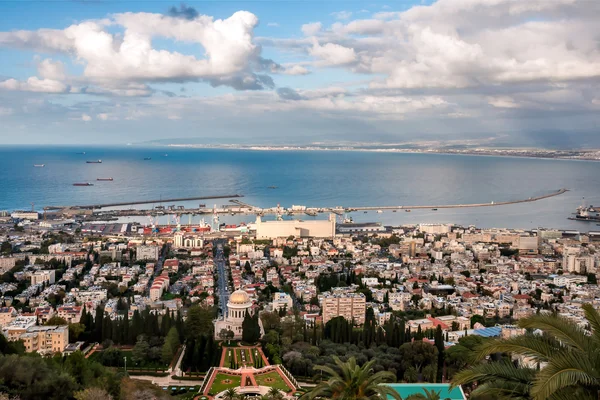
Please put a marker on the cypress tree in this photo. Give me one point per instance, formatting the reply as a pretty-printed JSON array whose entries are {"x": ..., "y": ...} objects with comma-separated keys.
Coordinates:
[{"x": 439, "y": 343}]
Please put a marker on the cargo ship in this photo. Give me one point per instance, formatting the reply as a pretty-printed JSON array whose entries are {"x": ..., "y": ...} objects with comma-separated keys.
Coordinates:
[
  {"x": 94, "y": 162},
  {"x": 104, "y": 179},
  {"x": 589, "y": 213},
  {"x": 83, "y": 184}
]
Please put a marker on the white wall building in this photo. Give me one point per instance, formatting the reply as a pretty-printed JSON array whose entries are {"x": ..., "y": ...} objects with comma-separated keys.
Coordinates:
[{"x": 276, "y": 229}]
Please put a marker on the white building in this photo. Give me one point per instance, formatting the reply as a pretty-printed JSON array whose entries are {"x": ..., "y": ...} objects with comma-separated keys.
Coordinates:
[
  {"x": 285, "y": 228},
  {"x": 566, "y": 280},
  {"x": 147, "y": 252},
  {"x": 238, "y": 305},
  {"x": 45, "y": 275},
  {"x": 282, "y": 301},
  {"x": 30, "y": 215},
  {"x": 188, "y": 241},
  {"x": 435, "y": 229}
]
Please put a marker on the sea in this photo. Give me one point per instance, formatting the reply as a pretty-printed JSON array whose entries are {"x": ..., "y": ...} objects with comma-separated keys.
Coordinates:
[{"x": 311, "y": 178}]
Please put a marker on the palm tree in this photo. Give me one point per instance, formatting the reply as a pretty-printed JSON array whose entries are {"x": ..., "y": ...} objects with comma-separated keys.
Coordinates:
[
  {"x": 350, "y": 381},
  {"x": 428, "y": 395},
  {"x": 230, "y": 394},
  {"x": 564, "y": 361},
  {"x": 274, "y": 394}
]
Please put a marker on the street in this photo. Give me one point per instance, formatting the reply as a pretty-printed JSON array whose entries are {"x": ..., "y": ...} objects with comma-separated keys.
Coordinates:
[{"x": 223, "y": 277}]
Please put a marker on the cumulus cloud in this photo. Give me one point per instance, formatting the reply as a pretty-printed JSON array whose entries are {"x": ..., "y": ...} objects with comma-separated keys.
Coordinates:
[
  {"x": 311, "y": 28},
  {"x": 35, "y": 84},
  {"x": 331, "y": 54},
  {"x": 49, "y": 69},
  {"x": 130, "y": 56},
  {"x": 85, "y": 118},
  {"x": 295, "y": 70}
]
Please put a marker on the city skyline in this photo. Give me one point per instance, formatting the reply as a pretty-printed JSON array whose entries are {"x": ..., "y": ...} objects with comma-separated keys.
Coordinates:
[{"x": 291, "y": 72}]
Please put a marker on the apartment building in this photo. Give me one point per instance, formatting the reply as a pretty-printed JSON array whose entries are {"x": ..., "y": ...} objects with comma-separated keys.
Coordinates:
[
  {"x": 42, "y": 276},
  {"x": 71, "y": 314},
  {"x": 45, "y": 339},
  {"x": 351, "y": 306},
  {"x": 147, "y": 252}
]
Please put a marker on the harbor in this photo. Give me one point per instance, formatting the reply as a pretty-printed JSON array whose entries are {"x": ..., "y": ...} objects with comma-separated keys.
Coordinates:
[{"x": 237, "y": 207}]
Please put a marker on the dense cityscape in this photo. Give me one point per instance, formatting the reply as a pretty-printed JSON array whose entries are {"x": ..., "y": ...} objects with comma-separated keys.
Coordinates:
[
  {"x": 291, "y": 199},
  {"x": 257, "y": 309}
]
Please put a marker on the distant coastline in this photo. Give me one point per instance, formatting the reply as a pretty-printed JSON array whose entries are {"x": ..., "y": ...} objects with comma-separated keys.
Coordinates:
[{"x": 587, "y": 155}]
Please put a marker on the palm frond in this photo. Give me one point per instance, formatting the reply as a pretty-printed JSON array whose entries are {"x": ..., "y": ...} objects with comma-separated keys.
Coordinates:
[
  {"x": 560, "y": 328},
  {"x": 564, "y": 370},
  {"x": 539, "y": 347}
]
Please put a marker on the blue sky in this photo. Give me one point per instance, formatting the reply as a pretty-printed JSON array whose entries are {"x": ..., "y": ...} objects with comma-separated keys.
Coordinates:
[{"x": 450, "y": 71}]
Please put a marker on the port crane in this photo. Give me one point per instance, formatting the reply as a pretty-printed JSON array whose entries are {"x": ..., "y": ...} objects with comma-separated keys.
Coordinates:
[{"x": 215, "y": 219}]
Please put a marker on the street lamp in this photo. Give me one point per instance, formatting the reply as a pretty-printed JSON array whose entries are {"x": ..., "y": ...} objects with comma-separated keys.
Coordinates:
[{"x": 125, "y": 359}]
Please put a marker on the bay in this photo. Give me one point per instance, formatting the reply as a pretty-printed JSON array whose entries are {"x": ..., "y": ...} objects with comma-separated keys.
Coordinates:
[{"x": 311, "y": 178}]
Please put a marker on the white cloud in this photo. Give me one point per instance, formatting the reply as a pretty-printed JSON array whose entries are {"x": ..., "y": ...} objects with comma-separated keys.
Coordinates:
[
  {"x": 103, "y": 116},
  {"x": 296, "y": 70},
  {"x": 332, "y": 54},
  {"x": 342, "y": 14},
  {"x": 273, "y": 25},
  {"x": 502, "y": 102},
  {"x": 311, "y": 29},
  {"x": 86, "y": 118},
  {"x": 49, "y": 69},
  {"x": 108, "y": 55},
  {"x": 35, "y": 84}
]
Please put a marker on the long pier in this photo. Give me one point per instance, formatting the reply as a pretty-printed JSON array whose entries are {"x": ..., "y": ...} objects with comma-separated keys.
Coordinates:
[
  {"x": 128, "y": 203},
  {"x": 491, "y": 204},
  {"x": 241, "y": 208}
]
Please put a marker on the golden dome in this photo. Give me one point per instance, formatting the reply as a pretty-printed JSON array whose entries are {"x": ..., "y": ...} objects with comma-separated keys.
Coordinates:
[{"x": 239, "y": 297}]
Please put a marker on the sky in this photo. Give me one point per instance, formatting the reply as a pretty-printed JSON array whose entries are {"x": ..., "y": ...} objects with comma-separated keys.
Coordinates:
[{"x": 480, "y": 72}]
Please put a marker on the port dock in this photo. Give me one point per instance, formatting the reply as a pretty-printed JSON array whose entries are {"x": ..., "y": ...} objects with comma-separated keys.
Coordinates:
[
  {"x": 139, "y": 202},
  {"x": 238, "y": 207}
]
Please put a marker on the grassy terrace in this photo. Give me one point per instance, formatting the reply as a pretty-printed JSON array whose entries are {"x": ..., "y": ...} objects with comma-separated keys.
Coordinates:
[
  {"x": 229, "y": 355},
  {"x": 247, "y": 356},
  {"x": 224, "y": 382},
  {"x": 272, "y": 379}
]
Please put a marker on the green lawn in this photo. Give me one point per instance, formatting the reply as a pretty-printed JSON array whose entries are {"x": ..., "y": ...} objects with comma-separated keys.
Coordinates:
[
  {"x": 218, "y": 385},
  {"x": 246, "y": 352},
  {"x": 272, "y": 379},
  {"x": 228, "y": 357}
]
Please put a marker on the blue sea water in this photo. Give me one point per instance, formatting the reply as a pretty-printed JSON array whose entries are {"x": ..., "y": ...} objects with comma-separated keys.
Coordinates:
[{"x": 311, "y": 178}]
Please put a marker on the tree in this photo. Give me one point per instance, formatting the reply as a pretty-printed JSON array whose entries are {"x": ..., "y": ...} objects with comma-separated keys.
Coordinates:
[
  {"x": 229, "y": 335},
  {"x": 274, "y": 394},
  {"x": 230, "y": 394},
  {"x": 250, "y": 329},
  {"x": 170, "y": 346},
  {"x": 223, "y": 334},
  {"x": 75, "y": 330},
  {"x": 140, "y": 350},
  {"x": 351, "y": 381},
  {"x": 93, "y": 394},
  {"x": 568, "y": 352},
  {"x": 427, "y": 395},
  {"x": 56, "y": 320},
  {"x": 199, "y": 322}
]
